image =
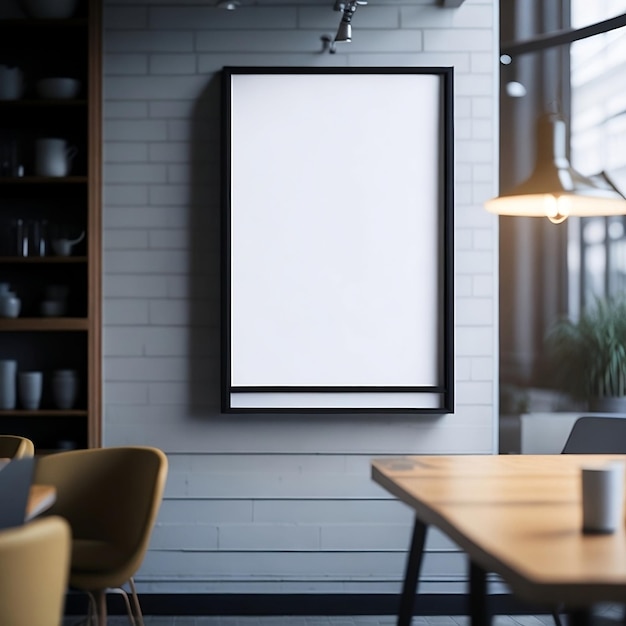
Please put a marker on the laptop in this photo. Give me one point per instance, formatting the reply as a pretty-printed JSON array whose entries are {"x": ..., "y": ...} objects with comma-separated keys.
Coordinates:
[{"x": 16, "y": 478}]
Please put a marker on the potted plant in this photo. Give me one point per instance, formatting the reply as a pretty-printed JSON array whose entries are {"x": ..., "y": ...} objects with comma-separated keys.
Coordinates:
[{"x": 588, "y": 355}]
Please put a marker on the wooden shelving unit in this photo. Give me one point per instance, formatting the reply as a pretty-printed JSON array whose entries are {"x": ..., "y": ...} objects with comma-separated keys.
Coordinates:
[{"x": 70, "y": 204}]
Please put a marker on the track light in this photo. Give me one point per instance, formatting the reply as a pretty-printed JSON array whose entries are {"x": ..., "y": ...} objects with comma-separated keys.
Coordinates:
[
  {"x": 328, "y": 44},
  {"x": 344, "y": 32}
]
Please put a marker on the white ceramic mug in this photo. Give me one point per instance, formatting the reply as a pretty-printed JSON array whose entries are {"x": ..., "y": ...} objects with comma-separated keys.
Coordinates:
[
  {"x": 11, "y": 83},
  {"x": 63, "y": 246},
  {"x": 10, "y": 304},
  {"x": 53, "y": 157},
  {"x": 8, "y": 383},
  {"x": 603, "y": 497},
  {"x": 29, "y": 388},
  {"x": 64, "y": 388}
]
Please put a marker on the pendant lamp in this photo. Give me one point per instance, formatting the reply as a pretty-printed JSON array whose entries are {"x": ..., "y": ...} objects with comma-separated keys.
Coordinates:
[{"x": 555, "y": 189}]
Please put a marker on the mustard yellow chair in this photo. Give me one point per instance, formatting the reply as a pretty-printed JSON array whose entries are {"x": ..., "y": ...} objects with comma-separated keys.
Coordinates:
[
  {"x": 34, "y": 568},
  {"x": 14, "y": 447},
  {"x": 110, "y": 497}
]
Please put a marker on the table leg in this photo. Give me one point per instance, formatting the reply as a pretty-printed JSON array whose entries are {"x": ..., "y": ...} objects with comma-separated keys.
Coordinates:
[
  {"x": 479, "y": 615},
  {"x": 411, "y": 575},
  {"x": 580, "y": 617}
]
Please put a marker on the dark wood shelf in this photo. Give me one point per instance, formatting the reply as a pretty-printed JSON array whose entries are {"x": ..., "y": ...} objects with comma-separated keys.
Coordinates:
[
  {"x": 43, "y": 324},
  {"x": 43, "y": 413},
  {"x": 34, "y": 23},
  {"x": 43, "y": 260},
  {"x": 42, "y": 102},
  {"x": 43, "y": 180}
]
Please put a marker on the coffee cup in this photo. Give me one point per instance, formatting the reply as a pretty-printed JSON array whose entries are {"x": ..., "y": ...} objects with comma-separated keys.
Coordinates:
[
  {"x": 603, "y": 497},
  {"x": 29, "y": 388},
  {"x": 11, "y": 82},
  {"x": 63, "y": 246},
  {"x": 53, "y": 157},
  {"x": 58, "y": 88}
]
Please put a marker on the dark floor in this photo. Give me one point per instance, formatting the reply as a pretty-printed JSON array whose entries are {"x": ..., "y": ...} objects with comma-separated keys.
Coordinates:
[{"x": 607, "y": 616}]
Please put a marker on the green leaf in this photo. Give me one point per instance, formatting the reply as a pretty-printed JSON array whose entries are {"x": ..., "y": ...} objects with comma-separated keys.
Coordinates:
[{"x": 588, "y": 356}]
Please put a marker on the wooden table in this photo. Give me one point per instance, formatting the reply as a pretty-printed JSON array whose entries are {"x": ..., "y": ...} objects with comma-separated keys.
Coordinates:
[
  {"x": 518, "y": 516},
  {"x": 40, "y": 498}
]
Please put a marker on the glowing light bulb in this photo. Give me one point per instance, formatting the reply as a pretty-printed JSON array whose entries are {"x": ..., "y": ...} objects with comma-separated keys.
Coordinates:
[
  {"x": 557, "y": 219},
  {"x": 556, "y": 208}
]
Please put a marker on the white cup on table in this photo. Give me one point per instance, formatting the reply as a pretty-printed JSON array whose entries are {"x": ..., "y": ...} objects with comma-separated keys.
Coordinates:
[{"x": 603, "y": 497}]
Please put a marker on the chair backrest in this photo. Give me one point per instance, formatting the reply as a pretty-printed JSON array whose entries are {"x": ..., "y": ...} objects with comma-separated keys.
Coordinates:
[
  {"x": 34, "y": 572},
  {"x": 597, "y": 435},
  {"x": 108, "y": 494},
  {"x": 15, "y": 447},
  {"x": 15, "y": 480}
]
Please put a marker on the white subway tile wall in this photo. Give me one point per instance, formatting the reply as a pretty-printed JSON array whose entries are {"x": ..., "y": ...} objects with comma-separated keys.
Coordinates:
[{"x": 272, "y": 504}]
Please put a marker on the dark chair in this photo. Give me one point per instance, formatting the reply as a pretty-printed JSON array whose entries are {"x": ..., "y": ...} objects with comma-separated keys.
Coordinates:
[{"x": 597, "y": 435}]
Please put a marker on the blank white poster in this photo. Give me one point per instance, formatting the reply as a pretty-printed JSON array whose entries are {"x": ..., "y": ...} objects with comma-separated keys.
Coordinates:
[{"x": 335, "y": 230}]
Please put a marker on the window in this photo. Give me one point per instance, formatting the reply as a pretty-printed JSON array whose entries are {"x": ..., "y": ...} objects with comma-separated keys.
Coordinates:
[
  {"x": 597, "y": 246},
  {"x": 546, "y": 270}
]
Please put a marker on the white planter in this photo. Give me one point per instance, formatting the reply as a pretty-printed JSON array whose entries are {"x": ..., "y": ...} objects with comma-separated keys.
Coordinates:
[
  {"x": 608, "y": 404},
  {"x": 546, "y": 433}
]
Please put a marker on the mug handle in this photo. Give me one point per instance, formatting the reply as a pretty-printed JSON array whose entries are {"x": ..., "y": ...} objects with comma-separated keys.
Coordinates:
[
  {"x": 71, "y": 152},
  {"x": 78, "y": 239}
]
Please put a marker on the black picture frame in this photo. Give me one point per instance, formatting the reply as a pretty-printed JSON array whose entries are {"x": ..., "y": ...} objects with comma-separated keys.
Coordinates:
[{"x": 337, "y": 240}]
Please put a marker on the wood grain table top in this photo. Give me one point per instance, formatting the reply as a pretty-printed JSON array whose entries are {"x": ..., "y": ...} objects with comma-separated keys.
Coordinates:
[
  {"x": 40, "y": 498},
  {"x": 519, "y": 516}
]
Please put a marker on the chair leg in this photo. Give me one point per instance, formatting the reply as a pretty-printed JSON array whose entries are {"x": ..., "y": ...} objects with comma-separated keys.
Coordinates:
[
  {"x": 101, "y": 607},
  {"x": 91, "y": 609},
  {"x": 97, "y": 610},
  {"x": 133, "y": 591},
  {"x": 129, "y": 611}
]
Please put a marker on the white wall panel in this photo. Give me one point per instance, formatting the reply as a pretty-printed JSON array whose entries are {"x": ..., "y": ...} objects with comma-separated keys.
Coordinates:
[{"x": 300, "y": 566}]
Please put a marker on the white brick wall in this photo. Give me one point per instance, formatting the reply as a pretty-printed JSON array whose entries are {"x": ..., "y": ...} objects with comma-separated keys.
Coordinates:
[{"x": 272, "y": 504}]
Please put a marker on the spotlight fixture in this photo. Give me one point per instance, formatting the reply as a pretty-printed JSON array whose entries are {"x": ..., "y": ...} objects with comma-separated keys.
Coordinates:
[
  {"x": 228, "y": 5},
  {"x": 515, "y": 89},
  {"x": 328, "y": 44},
  {"x": 344, "y": 32}
]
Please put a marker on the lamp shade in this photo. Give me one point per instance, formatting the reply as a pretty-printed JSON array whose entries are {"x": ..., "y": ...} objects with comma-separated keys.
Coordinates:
[{"x": 555, "y": 189}]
